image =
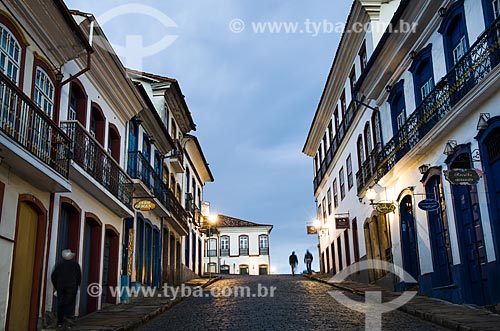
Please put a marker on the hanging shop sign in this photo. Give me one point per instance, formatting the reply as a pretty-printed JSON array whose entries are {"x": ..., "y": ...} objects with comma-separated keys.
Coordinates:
[
  {"x": 462, "y": 176},
  {"x": 385, "y": 207},
  {"x": 311, "y": 229},
  {"x": 144, "y": 205},
  {"x": 342, "y": 222},
  {"x": 428, "y": 205}
]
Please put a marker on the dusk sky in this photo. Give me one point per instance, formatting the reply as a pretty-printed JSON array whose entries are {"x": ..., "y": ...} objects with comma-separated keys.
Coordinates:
[{"x": 252, "y": 95}]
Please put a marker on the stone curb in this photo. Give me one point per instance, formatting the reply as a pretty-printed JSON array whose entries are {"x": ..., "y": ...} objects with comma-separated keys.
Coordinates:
[{"x": 438, "y": 318}]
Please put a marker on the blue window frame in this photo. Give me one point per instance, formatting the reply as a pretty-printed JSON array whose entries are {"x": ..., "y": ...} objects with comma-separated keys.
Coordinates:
[
  {"x": 454, "y": 31},
  {"x": 423, "y": 74},
  {"x": 491, "y": 11},
  {"x": 397, "y": 101},
  {"x": 146, "y": 147}
]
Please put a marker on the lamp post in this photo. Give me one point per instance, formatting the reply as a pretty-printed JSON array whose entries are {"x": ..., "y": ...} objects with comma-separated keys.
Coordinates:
[{"x": 212, "y": 220}]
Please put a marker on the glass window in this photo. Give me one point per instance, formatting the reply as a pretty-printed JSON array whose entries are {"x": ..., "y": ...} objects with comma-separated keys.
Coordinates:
[
  {"x": 263, "y": 242},
  {"x": 368, "y": 139},
  {"x": 244, "y": 242},
  {"x": 362, "y": 56},
  {"x": 361, "y": 152},
  {"x": 459, "y": 50},
  {"x": 224, "y": 243},
  {"x": 323, "y": 204},
  {"x": 350, "y": 179},
  {"x": 426, "y": 89},
  {"x": 44, "y": 92},
  {"x": 342, "y": 183},
  {"x": 496, "y": 8},
  {"x": 401, "y": 119},
  {"x": 10, "y": 54},
  {"x": 335, "y": 193},
  {"x": 329, "y": 201},
  {"x": 343, "y": 105}
]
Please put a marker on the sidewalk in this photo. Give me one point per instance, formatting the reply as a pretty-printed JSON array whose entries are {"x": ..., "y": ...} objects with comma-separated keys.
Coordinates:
[
  {"x": 128, "y": 316},
  {"x": 452, "y": 316}
]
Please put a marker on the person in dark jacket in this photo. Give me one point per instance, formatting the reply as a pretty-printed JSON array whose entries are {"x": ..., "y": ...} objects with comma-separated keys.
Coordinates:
[
  {"x": 308, "y": 258},
  {"x": 293, "y": 262},
  {"x": 66, "y": 279}
]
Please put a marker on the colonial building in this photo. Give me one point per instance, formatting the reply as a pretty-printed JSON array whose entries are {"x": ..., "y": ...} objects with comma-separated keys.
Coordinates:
[
  {"x": 169, "y": 164},
  {"x": 408, "y": 116},
  {"x": 235, "y": 246},
  {"x": 91, "y": 160},
  {"x": 35, "y": 170}
]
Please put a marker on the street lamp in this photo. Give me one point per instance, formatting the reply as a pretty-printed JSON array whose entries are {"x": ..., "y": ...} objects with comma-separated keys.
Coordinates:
[{"x": 212, "y": 220}]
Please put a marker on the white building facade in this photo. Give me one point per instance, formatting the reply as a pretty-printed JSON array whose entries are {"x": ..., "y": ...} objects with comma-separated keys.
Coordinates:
[
  {"x": 81, "y": 143},
  {"x": 423, "y": 119},
  {"x": 235, "y": 246}
]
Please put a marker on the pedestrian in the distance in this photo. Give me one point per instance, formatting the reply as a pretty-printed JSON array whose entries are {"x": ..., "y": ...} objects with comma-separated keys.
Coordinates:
[
  {"x": 294, "y": 261},
  {"x": 66, "y": 279},
  {"x": 308, "y": 258}
]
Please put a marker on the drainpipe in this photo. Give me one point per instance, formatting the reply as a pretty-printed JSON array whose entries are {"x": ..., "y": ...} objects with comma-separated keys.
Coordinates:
[
  {"x": 87, "y": 68},
  {"x": 49, "y": 237}
]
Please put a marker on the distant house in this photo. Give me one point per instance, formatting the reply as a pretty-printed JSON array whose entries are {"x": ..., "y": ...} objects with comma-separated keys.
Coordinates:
[{"x": 235, "y": 246}]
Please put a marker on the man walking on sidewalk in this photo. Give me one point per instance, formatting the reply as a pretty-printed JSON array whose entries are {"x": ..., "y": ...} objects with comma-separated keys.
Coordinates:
[
  {"x": 66, "y": 279},
  {"x": 308, "y": 258},
  {"x": 293, "y": 262}
]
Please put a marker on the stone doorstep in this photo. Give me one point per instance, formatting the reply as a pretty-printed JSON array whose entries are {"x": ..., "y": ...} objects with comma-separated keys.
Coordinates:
[
  {"x": 143, "y": 310},
  {"x": 463, "y": 317}
]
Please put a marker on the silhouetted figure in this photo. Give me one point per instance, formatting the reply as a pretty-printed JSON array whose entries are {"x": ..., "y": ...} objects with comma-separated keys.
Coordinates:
[
  {"x": 293, "y": 262},
  {"x": 308, "y": 258},
  {"x": 66, "y": 278}
]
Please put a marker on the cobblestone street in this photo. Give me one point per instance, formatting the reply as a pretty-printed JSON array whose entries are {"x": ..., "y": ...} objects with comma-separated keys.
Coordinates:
[{"x": 298, "y": 304}]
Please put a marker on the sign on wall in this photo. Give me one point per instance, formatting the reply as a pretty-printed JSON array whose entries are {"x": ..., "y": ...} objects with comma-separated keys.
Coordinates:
[
  {"x": 428, "y": 205},
  {"x": 144, "y": 205},
  {"x": 342, "y": 222},
  {"x": 311, "y": 229},
  {"x": 385, "y": 207},
  {"x": 462, "y": 176}
]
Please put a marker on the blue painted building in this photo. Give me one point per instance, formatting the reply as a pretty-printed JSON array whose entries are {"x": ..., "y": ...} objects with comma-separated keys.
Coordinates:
[{"x": 422, "y": 123}]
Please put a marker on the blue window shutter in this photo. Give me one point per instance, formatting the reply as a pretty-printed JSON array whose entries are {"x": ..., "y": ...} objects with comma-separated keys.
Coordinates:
[
  {"x": 453, "y": 28},
  {"x": 397, "y": 101},
  {"x": 422, "y": 70}
]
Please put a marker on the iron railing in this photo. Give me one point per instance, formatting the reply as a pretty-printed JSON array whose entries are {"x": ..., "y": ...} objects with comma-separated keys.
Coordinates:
[
  {"x": 224, "y": 252},
  {"x": 88, "y": 153},
  {"x": 475, "y": 65},
  {"x": 263, "y": 250},
  {"x": 211, "y": 252},
  {"x": 243, "y": 251},
  {"x": 139, "y": 168},
  {"x": 24, "y": 122},
  {"x": 335, "y": 143}
]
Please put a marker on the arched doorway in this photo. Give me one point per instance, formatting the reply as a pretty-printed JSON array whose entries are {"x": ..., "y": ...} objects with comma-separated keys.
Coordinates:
[
  {"x": 69, "y": 227},
  {"x": 110, "y": 264},
  {"x": 438, "y": 230},
  {"x": 489, "y": 144},
  {"x": 408, "y": 237},
  {"x": 27, "y": 264},
  {"x": 91, "y": 262},
  {"x": 469, "y": 231},
  {"x": 378, "y": 243}
]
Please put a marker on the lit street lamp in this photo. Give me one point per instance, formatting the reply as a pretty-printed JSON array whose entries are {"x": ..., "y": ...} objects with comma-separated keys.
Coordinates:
[{"x": 212, "y": 220}]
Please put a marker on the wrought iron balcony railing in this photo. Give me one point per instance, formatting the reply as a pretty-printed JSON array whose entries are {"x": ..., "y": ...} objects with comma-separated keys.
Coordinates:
[
  {"x": 24, "y": 122},
  {"x": 334, "y": 146},
  {"x": 481, "y": 59},
  {"x": 88, "y": 153},
  {"x": 211, "y": 252},
  {"x": 139, "y": 168},
  {"x": 243, "y": 251},
  {"x": 224, "y": 252},
  {"x": 263, "y": 250}
]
